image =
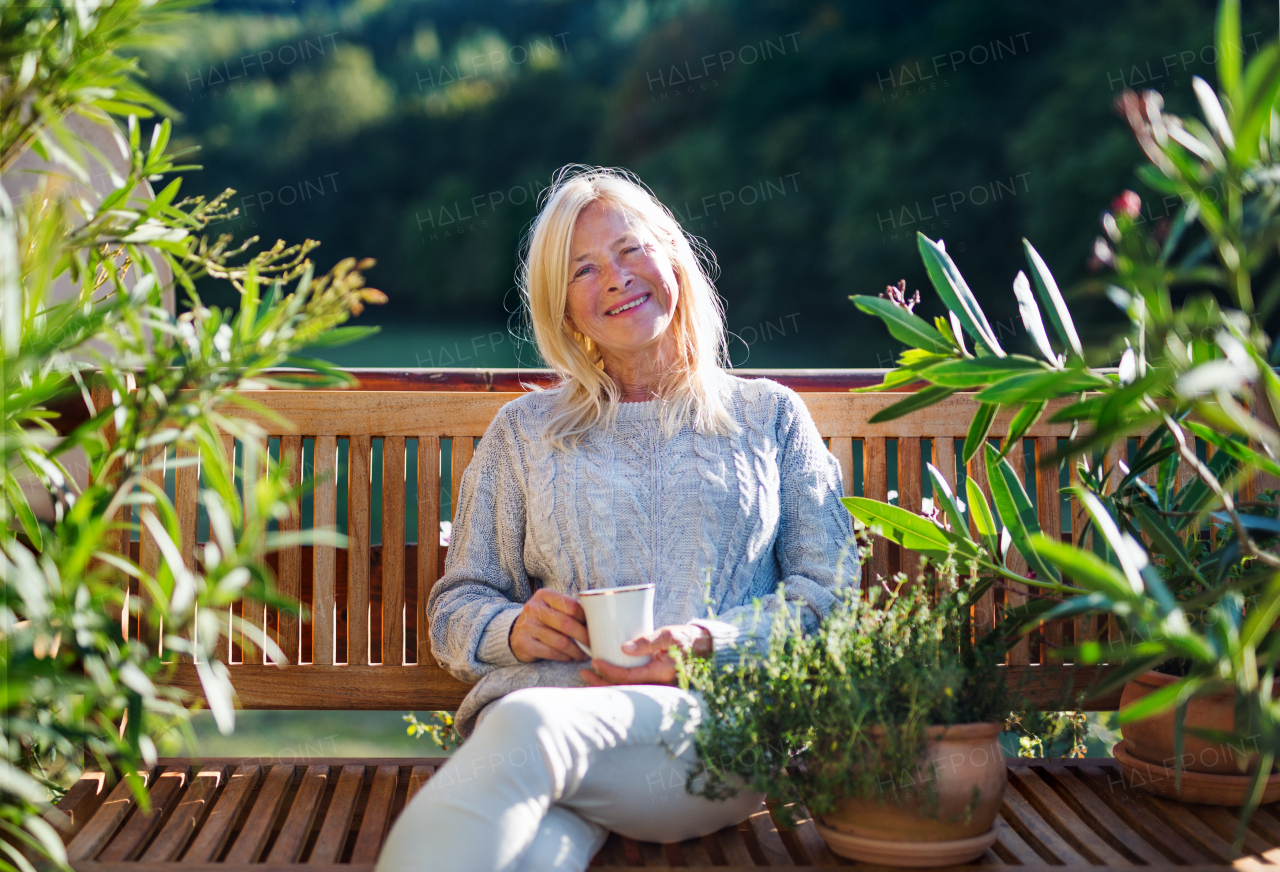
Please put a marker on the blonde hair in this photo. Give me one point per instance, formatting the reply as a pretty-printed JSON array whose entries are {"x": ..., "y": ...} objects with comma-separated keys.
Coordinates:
[{"x": 588, "y": 397}]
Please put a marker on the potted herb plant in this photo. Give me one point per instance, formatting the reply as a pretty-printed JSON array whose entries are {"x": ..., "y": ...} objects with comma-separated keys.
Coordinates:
[{"x": 885, "y": 722}]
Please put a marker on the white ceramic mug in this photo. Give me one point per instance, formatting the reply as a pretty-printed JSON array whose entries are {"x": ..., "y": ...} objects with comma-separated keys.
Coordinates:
[{"x": 616, "y": 615}]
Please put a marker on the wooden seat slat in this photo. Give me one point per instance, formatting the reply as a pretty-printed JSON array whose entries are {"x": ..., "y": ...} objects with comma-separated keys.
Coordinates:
[
  {"x": 985, "y": 612},
  {"x": 910, "y": 493},
  {"x": 803, "y": 843},
  {"x": 1108, "y": 785},
  {"x": 326, "y": 570},
  {"x": 253, "y": 613},
  {"x": 1049, "y": 509},
  {"x": 692, "y": 852},
  {"x": 1016, "y": 594},
  {"x": 732, "y": 846},
  {"x": 337, "y": 820},
  {"x": 292, "y": 837},
  {"x": 462, "y": 451},
  {"x": 393, "y": 495},
  {"x": 428, "y": 537},
  {"x": 81, "y": 801},
  {"x": 1192, "y": 828},
  {"x": 1266, "y": 824},
  {"x": 1068, "y": 824},
  {"x": 262, "y": 816},
  {"x": 875, "y": 486},
  {"x": 418, "y": 778},
  {"x": 842, "y": 448},
  {"x": 103, "y": 824},
  {"x": 377, "y": 815},
  {"x": 1099, "y": 816},
  {"x": 1012, "y": 848},
  {"x": 187, "y": 816},
  {"x": 611, "y": 853},
  {"x": 186, "y": 482},
  {"x": 287, "y": 631},
  {"x": 212, "y": 837},
  {"x": 1037, "y": 832},
  {"x": 1224, "y": 824},
  {"x": 653, "y": 855},
  {"x": 358, "y": 489},
  {"x": 766, "y": 835},
  {"x": 140, "y": 826},
  {"x": 153, "y": 461}
]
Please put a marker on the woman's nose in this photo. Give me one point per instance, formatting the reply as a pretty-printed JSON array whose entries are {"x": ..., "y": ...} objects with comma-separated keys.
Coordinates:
[{"x": 618, "y": 277}]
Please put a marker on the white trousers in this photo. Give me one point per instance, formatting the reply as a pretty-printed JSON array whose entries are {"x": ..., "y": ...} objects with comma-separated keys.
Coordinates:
[{"x": 549, "y": 771}]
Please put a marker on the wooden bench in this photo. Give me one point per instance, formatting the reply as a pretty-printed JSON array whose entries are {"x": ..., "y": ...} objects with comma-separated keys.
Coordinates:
[{"x": 379, "y": 454}]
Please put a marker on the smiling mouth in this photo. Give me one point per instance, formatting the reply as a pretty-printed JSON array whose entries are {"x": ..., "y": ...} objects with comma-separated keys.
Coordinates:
[{"x": 636, "y": 302}]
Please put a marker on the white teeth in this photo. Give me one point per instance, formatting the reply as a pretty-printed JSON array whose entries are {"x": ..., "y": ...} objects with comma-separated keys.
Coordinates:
[{"x": 630, "y": 305}]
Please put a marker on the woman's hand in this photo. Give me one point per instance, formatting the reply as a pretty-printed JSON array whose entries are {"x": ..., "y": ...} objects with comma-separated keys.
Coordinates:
[
  {"x": 661, "y": 669},
  {"x": 546, "y": 628}
]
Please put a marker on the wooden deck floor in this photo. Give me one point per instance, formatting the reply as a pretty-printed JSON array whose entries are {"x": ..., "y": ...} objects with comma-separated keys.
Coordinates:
[{"x": 334, "y": 813}]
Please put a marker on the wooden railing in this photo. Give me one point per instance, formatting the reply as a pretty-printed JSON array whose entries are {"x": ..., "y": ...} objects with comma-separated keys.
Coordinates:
[{"x": 390, "y": 455}]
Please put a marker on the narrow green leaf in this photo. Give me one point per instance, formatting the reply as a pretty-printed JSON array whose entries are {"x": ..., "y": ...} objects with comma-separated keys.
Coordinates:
[
  {"x": 1161, "y": 700},
  {"x": 1055, "y": 307},
  {"x": 1261, "y": 82},
  {"x": 1196, "y": 495},
  {"x": 1022, "y": 422},
  {"x": 942, "y": 494},
  {"x": 20, "y": 507},
  {"x": 343, "y": 335},
  {"x": 907, "y": 328},
  {"x": 892, "y": 379},
  {"x": 1016, "y": 511},
  {"x": 1121, "y": 544},
  {"x": 1262, "y": 616},
  {"x": 1164, "y": 539},
  {"x": 1237, "y": 449},
  {"x": 913, "y": 402},
  {"x": 1031, "y": 319},
  {"x": 1081, "y": 604},
  {"x": 1040, "y": 385},
  {"x": 1084, "y": 568},
  {"x": 980, "y": 372},
  {"x": 955, "y": 293},
  {"x": 979, "y": 427},
  {"x": 980, "y": 512},
  {"x": 1230, "y": 51},
  {"x": 907, "y": 528},
  {"x": 1257, "y": 788}
]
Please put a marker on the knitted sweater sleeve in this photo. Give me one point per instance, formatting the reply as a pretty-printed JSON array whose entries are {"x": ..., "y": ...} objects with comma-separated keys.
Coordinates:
[
  {"x": 485, "y": 585},
  {"x": 815, "y": 547}
]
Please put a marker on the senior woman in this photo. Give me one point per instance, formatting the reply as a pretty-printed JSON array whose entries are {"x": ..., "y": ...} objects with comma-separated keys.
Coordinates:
[{"x": 648, "y": 463}]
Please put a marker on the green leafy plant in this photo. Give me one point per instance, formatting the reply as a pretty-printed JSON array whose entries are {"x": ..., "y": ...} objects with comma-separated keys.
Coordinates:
[
  {"x": 1188, "y": 568},
  {"x": 824, "y": 716},
  {"x": 85, "y": 336}
]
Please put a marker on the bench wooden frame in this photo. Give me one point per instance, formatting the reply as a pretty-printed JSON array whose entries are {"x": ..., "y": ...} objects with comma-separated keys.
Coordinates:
[{"x": 366, "y": 641}]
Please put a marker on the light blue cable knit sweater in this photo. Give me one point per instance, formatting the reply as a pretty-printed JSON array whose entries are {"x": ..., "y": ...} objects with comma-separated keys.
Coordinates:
[{"x": 716, "y": 522}]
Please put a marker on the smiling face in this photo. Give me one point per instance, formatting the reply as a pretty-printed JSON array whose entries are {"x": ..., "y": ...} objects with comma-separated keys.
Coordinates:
[{"x": 622, "y": 289}]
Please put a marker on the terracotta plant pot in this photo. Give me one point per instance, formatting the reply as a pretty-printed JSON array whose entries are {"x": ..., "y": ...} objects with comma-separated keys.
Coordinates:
[
  {"x": 1151, "y": 739},
  {"x": 1211, "y": 773},
  {"x": 1205, "y": 788},
  {"x": 916, "y": 832}
]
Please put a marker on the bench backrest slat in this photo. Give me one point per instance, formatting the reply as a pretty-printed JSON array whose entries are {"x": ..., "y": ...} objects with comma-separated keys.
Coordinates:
[{"x": 365, "y": 641}]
